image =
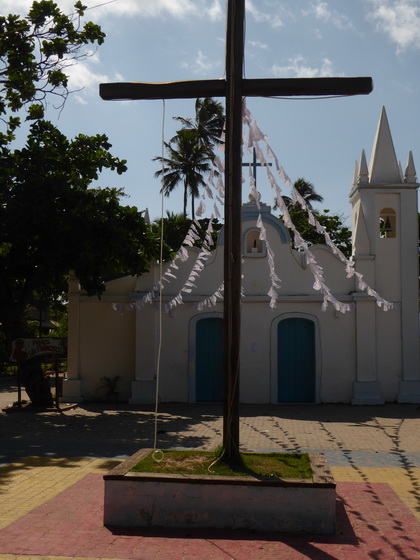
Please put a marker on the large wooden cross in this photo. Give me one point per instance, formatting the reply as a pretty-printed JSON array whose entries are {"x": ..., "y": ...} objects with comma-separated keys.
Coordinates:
[{"x": 233, "y": 88}]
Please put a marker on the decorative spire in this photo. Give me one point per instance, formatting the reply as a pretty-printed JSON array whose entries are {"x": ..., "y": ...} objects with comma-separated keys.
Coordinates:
[
  {"x": 401, "y": 172},
  {"x": 383, "y": 166},
  {"x": 363, "y": 170},
  {"x": 410, "y": 170},
  {"x": 356, "y": 173}
]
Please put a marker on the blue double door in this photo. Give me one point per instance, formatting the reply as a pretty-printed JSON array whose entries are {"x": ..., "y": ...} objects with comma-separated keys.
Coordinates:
[{"x": 296, "y": 372}]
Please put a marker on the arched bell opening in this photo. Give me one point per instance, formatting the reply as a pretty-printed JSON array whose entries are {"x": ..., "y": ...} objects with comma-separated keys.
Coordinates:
[{"x": 387, "y": 223}]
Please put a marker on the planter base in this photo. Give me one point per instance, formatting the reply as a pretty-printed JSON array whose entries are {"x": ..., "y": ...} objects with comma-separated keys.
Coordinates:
[{"x": 188, "y": 501}]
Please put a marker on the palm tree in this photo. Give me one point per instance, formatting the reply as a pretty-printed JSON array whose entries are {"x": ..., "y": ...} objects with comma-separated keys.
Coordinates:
[
  {"x": 306, "y": 191},
  {"x": 188, "y": 160},
  {"x": 209, "y": 121}
]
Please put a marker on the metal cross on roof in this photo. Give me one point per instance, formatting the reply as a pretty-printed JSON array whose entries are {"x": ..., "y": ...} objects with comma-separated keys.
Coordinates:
[
  {"x": 233, "y": 88},
  {"x": 254, "y": 164}
]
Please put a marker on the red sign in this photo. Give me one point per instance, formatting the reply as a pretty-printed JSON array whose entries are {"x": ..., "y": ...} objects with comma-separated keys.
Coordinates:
[{"x": 25, "y": 348}]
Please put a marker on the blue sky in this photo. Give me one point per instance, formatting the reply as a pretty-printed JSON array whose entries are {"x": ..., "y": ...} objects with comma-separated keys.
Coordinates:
[{"x": 320, "y": 140}]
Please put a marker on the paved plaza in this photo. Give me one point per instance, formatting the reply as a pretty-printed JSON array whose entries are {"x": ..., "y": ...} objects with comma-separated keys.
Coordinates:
[{"x": 51, "y": 487}]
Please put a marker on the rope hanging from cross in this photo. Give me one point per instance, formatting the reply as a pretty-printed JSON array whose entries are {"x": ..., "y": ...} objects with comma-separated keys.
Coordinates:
[{"x": 233, "y": 88}]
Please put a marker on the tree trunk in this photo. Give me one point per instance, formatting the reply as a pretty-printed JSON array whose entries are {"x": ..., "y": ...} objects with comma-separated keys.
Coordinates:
[
  {"x": 36, "y": 385},
  {"x": 185, "y": 199}
]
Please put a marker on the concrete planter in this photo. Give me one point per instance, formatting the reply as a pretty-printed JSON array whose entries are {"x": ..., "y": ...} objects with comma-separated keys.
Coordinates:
[{"x": 188, "y": 501}]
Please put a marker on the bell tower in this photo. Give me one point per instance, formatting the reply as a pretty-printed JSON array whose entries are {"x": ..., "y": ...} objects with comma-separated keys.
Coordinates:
[{"x": 385, "y": 250}]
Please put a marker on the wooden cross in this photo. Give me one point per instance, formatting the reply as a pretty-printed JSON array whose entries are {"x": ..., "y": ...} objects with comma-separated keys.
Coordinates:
[
  {"x": 233, "y": 88},
  {"x": 254, "y": 164}
]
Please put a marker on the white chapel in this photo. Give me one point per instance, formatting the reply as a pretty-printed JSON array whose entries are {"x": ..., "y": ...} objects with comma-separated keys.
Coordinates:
[{"x": 298, "y": 350}]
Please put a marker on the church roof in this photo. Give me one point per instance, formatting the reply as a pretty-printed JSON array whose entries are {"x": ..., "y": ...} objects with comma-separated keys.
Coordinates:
[{"x": 383, "y": 165}]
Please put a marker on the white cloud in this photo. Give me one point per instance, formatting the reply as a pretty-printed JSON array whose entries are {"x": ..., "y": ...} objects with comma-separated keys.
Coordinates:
[
  {"x": 215, "y": 11},
  {"x": 322, "y": 11},
  {"x": 84, "y": 80},
  {"x": 155, "y": 8},
  {"x": 14, "y": 6},
  {"x": 274, "y": 18},
  {"x": 399, "y": 19},
  {"x": 298, "y": 67},
  {"x": 258, "y": 44},
  {"x": 201, "y": 65},
  {"x": 97, "y": 9}
]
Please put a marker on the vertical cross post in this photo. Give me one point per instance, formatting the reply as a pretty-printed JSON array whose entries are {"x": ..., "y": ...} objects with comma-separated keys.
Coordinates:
[{"x": 233, "y": 245}]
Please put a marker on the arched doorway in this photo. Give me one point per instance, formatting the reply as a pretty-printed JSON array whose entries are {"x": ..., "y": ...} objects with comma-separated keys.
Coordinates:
[
  {"x": 209, "y": 359},
  {"x": 296, "y": 360}
]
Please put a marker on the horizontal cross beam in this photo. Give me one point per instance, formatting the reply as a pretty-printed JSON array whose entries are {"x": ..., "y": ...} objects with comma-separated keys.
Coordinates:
[{"x": 249, "y": 88}]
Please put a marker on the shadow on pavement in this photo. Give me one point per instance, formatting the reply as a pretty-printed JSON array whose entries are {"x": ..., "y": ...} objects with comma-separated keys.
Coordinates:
[
  {"x": 97, "y": 430},
  {"x": 8, "y": 471}
]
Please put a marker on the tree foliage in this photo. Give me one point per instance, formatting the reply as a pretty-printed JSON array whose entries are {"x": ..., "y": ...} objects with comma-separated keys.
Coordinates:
[
  {"x": 51, "y": 218},
  {"x": 34, "y": 53},
  {"x": 175, "y": 228},
  {"x": 208, "y": 123},
  {"x": 339, "y": 233},
  {"x": 51, "y": 221},
  {"x": 306, "y": 191}
]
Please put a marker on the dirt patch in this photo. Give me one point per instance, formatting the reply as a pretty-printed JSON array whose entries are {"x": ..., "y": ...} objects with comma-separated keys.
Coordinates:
[{"x": 190, "y": 464}]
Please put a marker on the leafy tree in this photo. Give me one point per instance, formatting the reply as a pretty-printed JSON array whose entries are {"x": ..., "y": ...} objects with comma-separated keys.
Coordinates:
[
  {"x": 175, "y": 228},
  {"x": 188, "y": 160},
  {"x": 339, "y": 233},
  {"x": 58, "y": 317},
  {"x": 51, "y": 219},
  {"x": 34, "y": 53}
]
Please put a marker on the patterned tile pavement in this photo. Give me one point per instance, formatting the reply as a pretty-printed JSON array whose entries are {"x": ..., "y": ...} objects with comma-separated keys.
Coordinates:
[
  {"x": 51, "y": 488},
  {"x": 372, "y": 523}
]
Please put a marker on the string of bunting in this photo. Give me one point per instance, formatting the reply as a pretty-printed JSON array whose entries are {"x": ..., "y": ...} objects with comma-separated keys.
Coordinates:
[
  {"x": 199, "y": 264},
  {"x": 181, "y": 255},
  {"x": 214, "y": 191}
]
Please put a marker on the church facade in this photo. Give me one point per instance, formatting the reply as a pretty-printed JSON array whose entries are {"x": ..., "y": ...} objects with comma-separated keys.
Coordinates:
[{"x": 293, "y": 352}]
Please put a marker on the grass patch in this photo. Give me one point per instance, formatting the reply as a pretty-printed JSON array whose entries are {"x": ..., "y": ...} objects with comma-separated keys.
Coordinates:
[{"x": 265, "y": 465}]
